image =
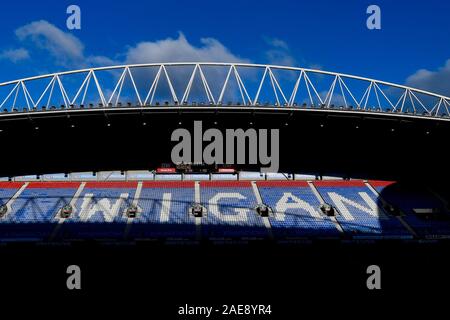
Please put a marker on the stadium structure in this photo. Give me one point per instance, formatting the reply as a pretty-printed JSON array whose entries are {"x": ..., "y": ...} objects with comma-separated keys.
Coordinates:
[{"x": 86, "y": 155}]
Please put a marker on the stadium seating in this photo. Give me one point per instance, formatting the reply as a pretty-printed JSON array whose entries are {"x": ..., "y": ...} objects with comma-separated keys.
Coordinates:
[
  {"x": 408, "y": 198},
  {"x": 32, "y": 214},
  {"x": 359, "y": 214},
  {"x": 163, "y": 210},
  {"x": 230, "y": 210},
  {"x": 7, "y": 190},
  {"x": 295, "y": 210},
  {"x": 100, "y": 210}
]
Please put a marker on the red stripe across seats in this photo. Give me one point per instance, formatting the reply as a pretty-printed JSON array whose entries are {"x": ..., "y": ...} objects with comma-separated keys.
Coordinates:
[
  {"x": 111, "y": 184},
  {"x": 282, "y": 183},
  {"x": 339, "y": 183},
  {"x": 168, "y": 184},
  {"x": 10, "y": 185},
  {"x": 226, "y": 184},
  {"x": 53, "y": 185}
]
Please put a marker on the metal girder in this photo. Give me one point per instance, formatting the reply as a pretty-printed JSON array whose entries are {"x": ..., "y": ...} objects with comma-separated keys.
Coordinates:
[{"x": 296, "y": 86}]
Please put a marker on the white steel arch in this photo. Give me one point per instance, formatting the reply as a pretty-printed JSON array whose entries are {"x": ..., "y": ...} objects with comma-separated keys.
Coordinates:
[{"x": 347, "y": 91}]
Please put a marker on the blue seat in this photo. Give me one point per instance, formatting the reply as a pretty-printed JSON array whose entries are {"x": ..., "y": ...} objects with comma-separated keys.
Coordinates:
[
  {"x": 33, "y": 213},
  {"x": 99, "y": 212},
  {"x": 295, "y": 210},
  {"x": 230, "y": 210},
  {"x": 360, "y": 213},
  {"x": 164, "y": 211},
  {"x": 409, "y": 198},
  {"x": 7, "y": 191}
]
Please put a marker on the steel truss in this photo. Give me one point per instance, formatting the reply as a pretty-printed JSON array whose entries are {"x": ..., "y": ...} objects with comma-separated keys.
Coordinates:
[{"x": 339, "y": 92}]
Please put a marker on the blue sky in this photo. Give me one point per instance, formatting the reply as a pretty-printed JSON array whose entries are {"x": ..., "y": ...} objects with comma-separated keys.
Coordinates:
[{"x": 412, "y": 47}]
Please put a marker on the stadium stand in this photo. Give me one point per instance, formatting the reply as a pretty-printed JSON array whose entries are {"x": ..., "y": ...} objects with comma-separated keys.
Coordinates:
[
  {"x": 359, "y": 214},
  {"x": 422, "y": 210},
  {"x": 99, "y": 211},
  {"x": 295, "y": 210},
  {"x": 7, "y": 190},
  {"x": 230, "y": 210},
  {"x": 163, "y": 210},
  {"x": 32, "y": 215},
  {"x": 31, "y": 211}
]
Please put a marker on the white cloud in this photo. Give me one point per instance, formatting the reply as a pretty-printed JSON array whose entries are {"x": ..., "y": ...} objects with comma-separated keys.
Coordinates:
[
  {"x": 62, "y": 45},
  {"x": 15, "y": 55},
  {"x": 67, "y": 49},
  {"x": 277, "y": 43},
  {"x": 100, "y": 61},
  {"x": 279, "y": 52},
  {"x": 437, "y": 81},
  {"x": 180, "y": 50}
]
